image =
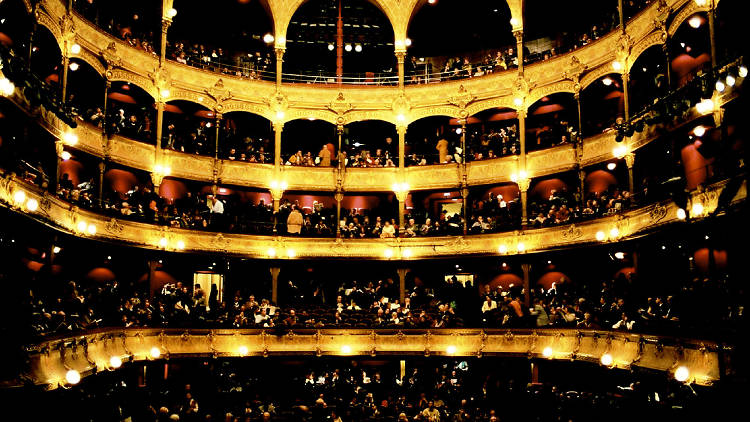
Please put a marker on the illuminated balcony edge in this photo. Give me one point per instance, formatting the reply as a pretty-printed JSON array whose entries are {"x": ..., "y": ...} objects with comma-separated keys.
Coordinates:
[
  {"x": 189, "y": 83},
  {"x": 51, "y": 359},
  {"x": 66, "y": 218}
]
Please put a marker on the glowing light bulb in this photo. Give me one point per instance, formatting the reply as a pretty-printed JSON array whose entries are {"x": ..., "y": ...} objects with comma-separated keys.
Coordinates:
[
  {"x": 91, "y": 229},
  {"x": 547, "y": 352},
  {"x": 164, "y": 93},
  {"x": 6, "y": 87},
  {"x": 606, "y": 359},
  {"x": 115, "y": 362},
  {"x": 521, "y": 247},
  {"x": 699, "y": 131},
  {"x": 451, "y": 350},
  {"x": 348, "y": 47},
  {"x": 611, "y": 166},
  {"x": 695, "y": 22},
  {"x": 291, "y": 253},
  {"x": 346, "y": 349},
  {"x": 388, "y": 253},
  {"x": 70, "y": 138},
  {"x": 32, "y": 205},
  {"x": 65, "y": 156},
  {"x": 82, "y": 226},
  {"x": 243, "y": 350},
  {"x": 75, "y": 48},
  {"x": 616, "y": 65},
  {"x": 607, "y": 81},
  {"x": 518, "y": 101},
  {"x": 19, "y": 197},
  {"x": 720, "y": 86},
  {"x": 73, "y": 377},
  {"x": 682, "y": 374},
  {"x": 155, "y": 352},
  {"x": 697, "y": 209},
  {"x": 330, "y": 47},
  {"x": 620, "y": 255},
  {"x": 268, "y": 38},
  {"x": 742, "y": 71},
  {"x": 614, "y": 232},
  {"x": 731, "y": 80},
  {"x": 502, "y": 249},
  {"x": 705, "y": 106},
  {"x": 56, "y": 249},
  {"x": 163, "y": 242},
  {"x": 172, "y": 12},
  {"x": 600, "y": 235},
  {"x": 73, "y": 66},
  {"x": 681, "y": 214},
  {"x": 406, "y": 253},
  {"x": 180, "y": 244},
  {"x": 271, "y": 252}
]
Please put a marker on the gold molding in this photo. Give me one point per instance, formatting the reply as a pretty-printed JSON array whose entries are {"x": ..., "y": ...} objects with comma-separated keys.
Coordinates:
[{"x": 90, "y": 352}]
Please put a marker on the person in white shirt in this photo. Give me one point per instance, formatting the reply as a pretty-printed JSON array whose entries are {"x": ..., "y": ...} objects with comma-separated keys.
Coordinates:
[
  {"x": 624, "y": 323},
  {"x": 217, "y": 206},
  {"x": 488, "y": 305}
]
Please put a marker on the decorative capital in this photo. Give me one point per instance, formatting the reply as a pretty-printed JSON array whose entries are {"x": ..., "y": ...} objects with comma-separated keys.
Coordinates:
[
  {"x": 523, "y": 184},
  {"x": 219, "y": 94},
  {"x": 462, "y": 98},
  {"x": 630, "y": 159},
  {"x": 156, "y": 178},
  {"x": 340, "y": 106},
  {"x": 279, "y": 53},
  {"x": 519, "y": 35},
  {"x": 111, "y": 57},
  {"x": 165, "y": 24}
]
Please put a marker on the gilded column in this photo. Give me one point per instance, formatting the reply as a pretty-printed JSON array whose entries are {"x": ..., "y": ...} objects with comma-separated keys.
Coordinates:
[
  {"x": 275, "y": 284},
  {"x": 66, "y": 64},
  {"x": 159, "y": 128},
  {"x": 526, "y": 267},
  {"x": 519, "y": 49},
  {"x": 625, "y": 95},
  {"x": 400, "y": 58},
  {"x": 402, "y": 284},
  {"x": 465, "y": 203},
  {"x": 580, "y": 118},
  {"x": 279, "y": 66},
  {"x": 167, "y": 13},
  {"x": 712, "y": 31},
  {"x": 401, "y": 198},
  {"x": 102, "y": 169},
  {"x": 339, "y": 196},
  {"x": 630, "y": 161},
  {"x": 582, "y": 184},
  {"x": 621, "y": 13},
  {"x": 218, "y": 116},
  {"x": 522, "y": 138},
  {"x": 401, "y": 148},
  {"x": 523, "y": 186},
  {"x": 277, "y": 128}
]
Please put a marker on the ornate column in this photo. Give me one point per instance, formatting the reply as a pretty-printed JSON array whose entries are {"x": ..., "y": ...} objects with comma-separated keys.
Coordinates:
[
  {"x": 402, "y": 284},
  {"x": 621, "y": 13},
  {"x": 339, "y": 196},
  {"x": 277, "y": 128},
  {"x": 582, "y": 181},
  {"x": 59, "y": 149},
  {"x": 630, "y": 161},
  {"x": 275, "y": 284},
  {"x": 577, "y": 96},
  {"x": 217, "y": 116},
  {"x": 465, "y": 203},
  {"x": 401, "y": 147},
  {"x": 625, "y": 96},
  {"x": 712, "y": 31},
  {"x": 519, "y": 49},
  {"x": 400, "y": 58},
  {"x": 526, "y": 267},
  {"x": 66, "y": 64},
  {"x": 279, "y": 65},
  {"x": 665, "y": 49},
  {"x": 402, "y": 192},
  {"x": 102, "y": 169},
  {"x": 277, "y": 191},
  {"x": 167, "y": 13},
  {"x": 523, "y": 186},
  {"x": 522, "y": 138},
  {"x": 159, "y": 128}
]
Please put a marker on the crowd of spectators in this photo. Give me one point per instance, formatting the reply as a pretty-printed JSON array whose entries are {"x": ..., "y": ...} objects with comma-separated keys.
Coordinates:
[
  {"x": 564, "y": 208},
  {"x": 351, "y": 391}
]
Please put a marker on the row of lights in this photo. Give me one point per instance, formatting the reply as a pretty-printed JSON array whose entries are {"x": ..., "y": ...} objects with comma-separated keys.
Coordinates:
[
  {"x": 356, "y": 47},
  {"x": 290, "y": 253},
  {"x": 73, "y": 377},
  {"x": 614, "y": 233},
  {"x": 520, "y": 247},
  {"x": 20, "y": 199},
  {"x": 179, "y": 245}
]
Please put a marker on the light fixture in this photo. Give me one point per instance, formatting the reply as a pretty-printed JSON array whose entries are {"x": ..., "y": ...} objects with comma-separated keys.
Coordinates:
[
  {"x": 115, "y": 362},
  {"x": 697, "y": 209},
  {"x": 547, "y": 352},
  {"x": 607, "y": 359},
  {"x": 431, "y": 1},
  {"x": 611, "y": 166},
  {"x": 7, "y": 87},
  {"x": 164, "y": 93},
  {"x": 154, "y": 352},
  {"x": 73, "y": 66},
  {"x": 607, "y": 81},
  {"x": 600, "y": 235},
  {"x": 705, "y": 106},
  {"x": 243, "y": 350},
  {"x": 616, "y": 65},
  {"x": 521, "y": 247},
  {"x": 518, "y": 101},
  {"x": 400, "y": 187},
  {"x": 163, "y": 242},
  {"x": 406, "y": 253},
  {"x": 330, "y": 47},
  {"x": 451, "y": 350},
  {"x": 56, "y": 249},
  {"x": 19, "y": 197},
  {"x": 275, "y": 184},
  {"x": 620, "y": 255},
  {"x": 731, "y": 80},
  {"x": 720, "y": 86},
  {"x": 699, "y": 131},
  {"x": 701, "y": 2},
  {"x": 180, "y": 245},
  {"x": 70, "y": 138},
  {"x": 502, "y": 249},
  {"x": 407, "y": 42},
  {"x": 73, "y": 377},
  {"x": 681, "y": 214},
  {"x": 348, "y": 47},
  {"x": 346, "y": 349},
  {"x": 271, "y": 252},
  {"x": 614, "y": 232},
  {"x": 171, "y": 13},
  {"x": 458, "y": 131},
  {"x": 65, "y": 155},
  {"x": 280, "y": 115},
  {"x": 75, "y": 48},
  {"x": 291, "y": 253},
  {"x": 268, "y": 38},
  {"x": 619, "y": 151},
  {"x": 358, "y": 48},
  {"x": 32, "y": 205},
  {"x": 742, "y": 71},
  {"x": 162, "y": 170},
  {"x": 91, "y": 229},
  {"x": 388, "y": 253},
  {"x": 401, "y": 118},
  {"x": 682, "y": 374},
  {"x": 82, "y": 226},
  {"x": 695, "y": 22},
  {"x": 514, "y": 22}
]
